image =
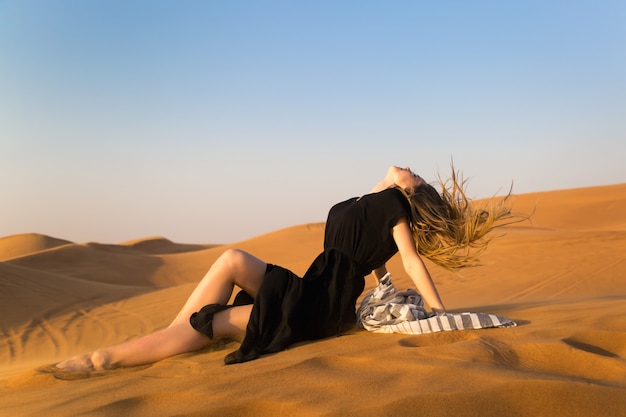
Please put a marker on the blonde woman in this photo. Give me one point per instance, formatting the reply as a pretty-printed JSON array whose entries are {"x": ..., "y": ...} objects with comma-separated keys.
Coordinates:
[{"x": 276, "y": 308}]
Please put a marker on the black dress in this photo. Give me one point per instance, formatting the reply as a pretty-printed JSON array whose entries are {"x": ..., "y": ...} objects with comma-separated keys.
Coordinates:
[{"x": 290, "y": 309}]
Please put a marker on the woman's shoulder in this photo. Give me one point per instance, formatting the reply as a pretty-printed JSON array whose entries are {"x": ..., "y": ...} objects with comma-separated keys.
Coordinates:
[
  {"x": 389, "y": 198},
  {"x": 391, "y": 193}
]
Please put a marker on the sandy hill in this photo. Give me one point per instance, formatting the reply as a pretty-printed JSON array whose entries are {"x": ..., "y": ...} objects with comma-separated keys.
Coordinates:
[
  {"x": 560, "y": 276},
  {"x": 112, "y": 264},
  {"x": 162, "y": 246},
  {"x": 594, "y": 208},
  {"x": 25, "y": 244},
  {"x": 32, "y": 296}
]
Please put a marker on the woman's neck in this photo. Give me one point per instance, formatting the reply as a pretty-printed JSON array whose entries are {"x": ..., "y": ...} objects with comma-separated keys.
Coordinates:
[{"x": 383, "y": 185}]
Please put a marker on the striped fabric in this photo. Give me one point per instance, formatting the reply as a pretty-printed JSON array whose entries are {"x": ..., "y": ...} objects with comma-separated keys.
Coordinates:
[{"x": 387, "y": 310}]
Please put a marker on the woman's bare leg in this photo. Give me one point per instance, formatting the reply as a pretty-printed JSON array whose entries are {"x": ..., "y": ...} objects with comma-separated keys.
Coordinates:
[
  {"x": 173, "y": 340},
  {"x": 234, "y": 267}
]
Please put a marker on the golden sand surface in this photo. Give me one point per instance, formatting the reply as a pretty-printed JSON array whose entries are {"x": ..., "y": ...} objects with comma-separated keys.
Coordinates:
[{"x": 562, "y": 277}]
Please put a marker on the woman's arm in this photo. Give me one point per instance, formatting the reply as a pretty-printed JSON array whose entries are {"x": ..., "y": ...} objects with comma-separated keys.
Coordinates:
[{"x": 414, "y": 266}]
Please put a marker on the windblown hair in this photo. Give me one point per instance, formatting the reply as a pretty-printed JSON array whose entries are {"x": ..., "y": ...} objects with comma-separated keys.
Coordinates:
[{"x": 448, "y": 228}]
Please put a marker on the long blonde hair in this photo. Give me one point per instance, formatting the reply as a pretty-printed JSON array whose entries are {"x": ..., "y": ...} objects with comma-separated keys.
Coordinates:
[{"x": 448, "y": 228}]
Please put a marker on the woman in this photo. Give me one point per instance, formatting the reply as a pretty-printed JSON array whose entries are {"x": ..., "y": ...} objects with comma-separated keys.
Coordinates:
[{"x": 276, "y": 308}]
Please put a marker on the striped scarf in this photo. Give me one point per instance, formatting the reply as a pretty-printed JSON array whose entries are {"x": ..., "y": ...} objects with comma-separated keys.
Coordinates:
[{"x": 387, "y": 310}]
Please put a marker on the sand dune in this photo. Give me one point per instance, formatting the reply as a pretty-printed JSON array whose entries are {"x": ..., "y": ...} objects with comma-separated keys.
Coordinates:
[
  {"x": 596, "y": 208},
  {"x": 161, "y": 246},
  {"x": 24, "y": 244},
  {"x": 561, "y": 277}
]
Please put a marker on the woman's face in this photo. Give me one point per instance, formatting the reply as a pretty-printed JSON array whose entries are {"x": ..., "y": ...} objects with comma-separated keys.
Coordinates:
[{"x": 404, "y": 177}]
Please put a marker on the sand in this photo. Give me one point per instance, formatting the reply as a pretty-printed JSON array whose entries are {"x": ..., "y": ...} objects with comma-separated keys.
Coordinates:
[{"x": 561, "y": 277}]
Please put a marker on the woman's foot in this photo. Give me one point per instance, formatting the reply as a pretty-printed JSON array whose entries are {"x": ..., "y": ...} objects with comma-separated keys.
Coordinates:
[{"x": 98, "y": 360}]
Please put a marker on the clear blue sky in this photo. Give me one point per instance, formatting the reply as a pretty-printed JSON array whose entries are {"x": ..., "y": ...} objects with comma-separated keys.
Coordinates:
[{"x": 217, "y": 121}]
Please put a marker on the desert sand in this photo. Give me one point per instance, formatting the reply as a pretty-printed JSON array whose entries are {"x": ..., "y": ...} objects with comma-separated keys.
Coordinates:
[{"x": 562, "y": 277}]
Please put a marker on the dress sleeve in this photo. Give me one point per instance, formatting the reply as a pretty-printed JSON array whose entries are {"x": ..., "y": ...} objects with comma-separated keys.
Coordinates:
[{"x": 396, "y": 206}]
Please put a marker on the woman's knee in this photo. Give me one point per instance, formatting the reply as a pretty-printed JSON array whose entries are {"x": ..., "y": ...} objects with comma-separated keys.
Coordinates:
[
  {"x": 233, "y": 258},
  {"x": 244, "y": 269},
  {"x": 239, "y": 260}
]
